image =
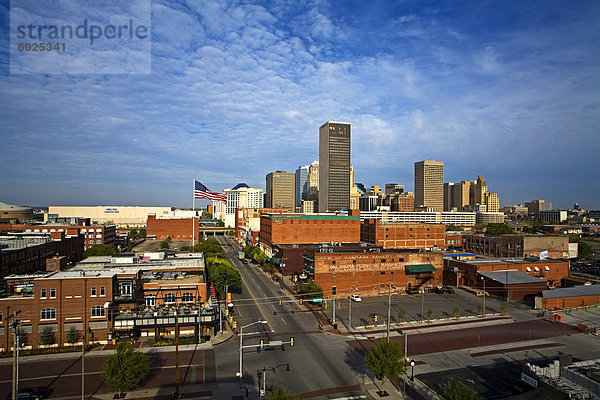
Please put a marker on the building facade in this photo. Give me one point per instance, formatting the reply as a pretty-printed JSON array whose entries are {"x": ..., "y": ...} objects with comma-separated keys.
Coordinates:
[
  {"x": 302, "y": 184},
  {"x": 125, "y": 216},
  {"x": 334, "y": 166},
  {"x": 447, "y": 218},
  {"x": 94, "y": 234},
  {"x": 281, "y": 190},
  {"x": 517, "y": 245},
  {"x": 175, "y": 228},
  {"x": 403, "y": 236},
  {"x": 429, "y": 186},
  {"x": 241, "y": 196}
]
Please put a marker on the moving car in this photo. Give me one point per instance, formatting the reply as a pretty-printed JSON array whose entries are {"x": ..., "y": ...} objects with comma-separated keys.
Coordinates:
[
  {"x": 354, "y": 297},
  {"x": 31, "y": 393}
]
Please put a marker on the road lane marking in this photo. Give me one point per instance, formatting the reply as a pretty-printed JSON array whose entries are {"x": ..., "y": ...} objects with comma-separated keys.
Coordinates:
[{"x": 259, "y": 307}]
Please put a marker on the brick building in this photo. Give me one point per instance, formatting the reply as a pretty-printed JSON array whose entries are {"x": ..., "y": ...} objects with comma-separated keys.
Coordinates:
[
  {"x": 306, "y": 229},
  {"x": 247, "y": 223},
  {"x": 403, "y": 236},
  {"x": 465, "y": 272},
  {"x": 60, "y": 301},
  {"x": 176, "y": 228},
  {"x": 510, "y": 284},
  {"x": 94, "y": 234},
  {"x": 27, "y": 253},
  {"x": 578, "y": 296},
  {"x": 454, "y": 240},
  {"x": 341, "y": 273},
  {"x": 517, "y": 245}
]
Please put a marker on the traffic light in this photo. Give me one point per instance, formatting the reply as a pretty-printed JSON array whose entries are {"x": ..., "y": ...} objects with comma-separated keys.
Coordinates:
[
  {"x": 262, "y": 343},
  {"x": 280, "y": 302},
  {"x": 234, "y": 324},
  {"x": 291, "y": 341},
  {"x": 301, "y": 300},
  {"x": 375, "y": 317}
]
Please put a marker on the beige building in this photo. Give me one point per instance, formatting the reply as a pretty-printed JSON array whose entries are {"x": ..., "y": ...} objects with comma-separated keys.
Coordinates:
[
  {"x": 429, "y": 185},
  {"x": 334, "y": 166},
  {"x": 354, "y": 193},
  {"x": 122, "y": 216},
  {"x": 281, "y": 190},
  {"x": 313, "y": 181}
]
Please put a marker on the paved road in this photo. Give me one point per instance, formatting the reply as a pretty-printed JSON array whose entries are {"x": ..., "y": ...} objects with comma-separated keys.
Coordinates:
[{"x": 318, "y": 360}]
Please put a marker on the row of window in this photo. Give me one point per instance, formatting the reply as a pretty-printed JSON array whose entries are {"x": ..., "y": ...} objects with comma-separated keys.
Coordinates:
[
  {"x": 170, "y": 298},
  {"x": 50, "y": 313},
  {"x": 44, "y": 292}
]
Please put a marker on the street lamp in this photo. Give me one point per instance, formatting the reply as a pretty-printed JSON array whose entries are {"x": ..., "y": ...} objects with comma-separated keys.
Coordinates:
[
  {"x": 483, "y": 279},
  {"x": 241, "y": 344},
  {"x": 412, "y": 370},
  {"x": 264, "y": 376}
]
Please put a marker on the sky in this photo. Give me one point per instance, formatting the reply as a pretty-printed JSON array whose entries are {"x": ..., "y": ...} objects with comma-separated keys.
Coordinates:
[{"x": 226, "y": 92}]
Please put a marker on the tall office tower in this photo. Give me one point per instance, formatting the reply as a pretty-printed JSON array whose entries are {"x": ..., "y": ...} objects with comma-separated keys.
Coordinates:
[
  {"x": 334, "y": 166},
  {"x": 429, "y": 185},
  {"x": 449, "y": 189},
  {"x": 313, "y": 181},
  {"x": 391, "y": 188},
  {"x": 241, "y": 196},
  {"x": 492, "y": 202},
  {"x": 302, "y": 184},
  {"x": 478, "y": 191},
  {"x": 462, "y": 195},
  {"x": 354, "y": 192},
  {"x": 281, "y": 190}
]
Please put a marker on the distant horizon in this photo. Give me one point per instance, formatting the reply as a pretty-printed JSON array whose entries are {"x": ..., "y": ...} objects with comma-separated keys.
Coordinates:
[{"x": 227, "y": 93}]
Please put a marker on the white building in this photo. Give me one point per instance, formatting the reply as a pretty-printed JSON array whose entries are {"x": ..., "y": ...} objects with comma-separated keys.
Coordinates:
[
  {"x": 454, "y": 218},
  {"x": 241, "y": 196}
]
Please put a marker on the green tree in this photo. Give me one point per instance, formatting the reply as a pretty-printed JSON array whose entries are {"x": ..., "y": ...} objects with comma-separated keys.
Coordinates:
[
  {"x": 164, "y": 244},
  {"x": 47, "y": 336},
  {"x": 259, "y": 256},
  {"x": 129, "y": 248},
  {"x": 503, "y": 306},
  {"x": 454, "y": 228},
  {"x": 72, "y": 336},
  {"x": 126, "y": 368},
  {"x": 282, "y": 394},
  {"x": 142, "y": 233},
  {"x": 584, "y": 250},
  {"x": 231, "y": 233},
  {"x": 133, "y": 233},
  {"x": 386, "y": 360},
  {"x": 456, "y": 312},
  {"x": 429, "y": 313},
  {"x": 220, "y": 223},
  {"x": 401, "y": 314},
  {"x": 206, "y": 215},
  {"x": 480, "y": 309},
  {"x": 101, "y": 250},
  {"x": 453, "y": 390},
  {"x": 498, "y": 229},
  {"x": 311, "y": 290},
  {"x": 221, "y": 273}
]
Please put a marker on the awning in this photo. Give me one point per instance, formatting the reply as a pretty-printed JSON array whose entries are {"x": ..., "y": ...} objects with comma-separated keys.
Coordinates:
[{"x": 418, "y": 268}]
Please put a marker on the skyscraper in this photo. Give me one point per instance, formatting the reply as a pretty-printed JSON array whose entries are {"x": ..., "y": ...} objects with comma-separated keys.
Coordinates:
[
  {"x": 302, "y": 184},
  {"x": 281, "y": 190},
  {"x": 429, "y": 185},
  {"x": 334, "y": 166}
]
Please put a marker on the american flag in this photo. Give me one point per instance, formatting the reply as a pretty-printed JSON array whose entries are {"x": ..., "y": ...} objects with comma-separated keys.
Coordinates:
[{"x": 202, "y": 192}]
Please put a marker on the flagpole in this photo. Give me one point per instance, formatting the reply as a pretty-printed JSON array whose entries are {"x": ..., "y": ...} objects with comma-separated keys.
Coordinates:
[{"x": 193, "y": 212}]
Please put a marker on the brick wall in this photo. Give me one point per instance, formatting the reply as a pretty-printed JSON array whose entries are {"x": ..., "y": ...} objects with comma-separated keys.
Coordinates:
[
  {"x": 304, "y": 229},
  {"x": 574, "y": 301},
  {"x": 404, "y": 236},
  {"x": 180, "y": 228}
]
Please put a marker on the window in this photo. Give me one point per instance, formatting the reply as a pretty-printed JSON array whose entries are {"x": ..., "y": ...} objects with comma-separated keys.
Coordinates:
[
  {"x": 0, "y": 317},
  {"x": 48, "y": 313},
  {"x": 333, "y": 290},
  {"x": 151, "y": 300},
  {"x": 170, "y": 298},
  {"x": 97, "y": 311},
  {"x": 187, "y": 297},
  {"x": 383, "y": 260},
  {"x": 43, "y": 293},
  {"x": 93, "y": 290},
  {"x": 52, "y": 293},
  {"x": 102, "y": 291},
  {"x": 381, "y": 272}
]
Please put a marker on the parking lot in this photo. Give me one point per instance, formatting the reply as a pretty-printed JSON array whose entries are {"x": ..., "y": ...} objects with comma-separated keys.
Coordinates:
[{"x": 416, "y": 306}]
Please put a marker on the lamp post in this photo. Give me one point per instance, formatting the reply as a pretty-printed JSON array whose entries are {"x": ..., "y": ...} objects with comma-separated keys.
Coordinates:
[
  {"x": 412, "y": 370},
  {"x": 264, "y": 370},
  {"x": 240, "y": 373},
  {"x": 483, "y": 279},
  {"x": 422, "y": 303}
]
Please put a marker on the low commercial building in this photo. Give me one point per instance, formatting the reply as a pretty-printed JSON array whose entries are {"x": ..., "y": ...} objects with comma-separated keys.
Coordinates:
[
  {"x": 341, "y": 273},
  {"x": 465, "y": 272},
  {"x": 490, "y": 217},
  {"x": 517, "y": 245},
  {"x": 175, "y": 228},
  {"x": 578, "y": 296},
  {"x": 247, "y": 223},
  {"x": 277, "y": 229},
  {"x": 403, "y": 236},
  {"x": 124, "y": 216},
  {"x": 447, "y": 218},
  {"x": 94, "y": 234},
  {"x": 27, "y": 253},
  {"x": 510, "y": 284},
  {"x": 11, "y": 214}
]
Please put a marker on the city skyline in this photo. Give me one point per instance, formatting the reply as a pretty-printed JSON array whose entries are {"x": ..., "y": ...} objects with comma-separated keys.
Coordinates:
[{"x": 504, "y": 90}]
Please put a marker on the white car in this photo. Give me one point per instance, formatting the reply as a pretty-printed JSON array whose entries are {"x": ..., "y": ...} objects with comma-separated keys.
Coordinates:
[{"x": 354, "y": 297}]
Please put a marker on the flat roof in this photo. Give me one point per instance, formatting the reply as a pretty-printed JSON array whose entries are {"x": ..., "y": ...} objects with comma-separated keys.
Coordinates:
[
  {"x": 310, "y": 216},
  {"x": 510, "y": 277},
  {"x": 516, "y": 260},
  {"x": 583, "y": 290},
  {"x": 78, "y": 273}
]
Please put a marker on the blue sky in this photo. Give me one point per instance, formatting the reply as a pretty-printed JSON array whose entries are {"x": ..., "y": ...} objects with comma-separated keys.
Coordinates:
[{"x": 509, "y": 90}]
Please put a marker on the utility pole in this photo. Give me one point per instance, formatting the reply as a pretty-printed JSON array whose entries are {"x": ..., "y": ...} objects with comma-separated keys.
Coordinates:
[
  {"x": 333, "y": 311},
  {"x": 349, "y": 313},
  {"x": 83, "y": 365},
  {"x": 389, "y": 311},
  {"x": 15, "y": 383},
  {"x": 176, "y": 355},
  {"x": 422, "y": 303}
]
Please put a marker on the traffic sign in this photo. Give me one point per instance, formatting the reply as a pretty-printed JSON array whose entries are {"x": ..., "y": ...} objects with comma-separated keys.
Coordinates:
[{"x": 317, "y": 300}]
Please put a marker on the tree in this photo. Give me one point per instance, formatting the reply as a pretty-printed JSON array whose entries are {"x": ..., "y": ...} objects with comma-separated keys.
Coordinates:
[
  {"x": 311, "y": 290},
  {"x": 142, "y": 233},
  {"x": 221, "y": 273},
  {"x": 47, "y": 336},
  {"x": 429, "y": 313},
  {"x": 480, "y": 308},
  {"x": 584, "y": 250},
  {"x": 453, "y": 390},
  {"x": 129, "y": 247},
  {"x": 101, "y": 250},
  {"x": 401, "y": 314},
  {"x": 126, "y": 368},
  {"x": 503, "y": 306},
  {"x": 454, "y": 228},
  {"x": 386, "y": 360},
  {"x": 456, "y": 312},
  {"x": 498, "y": 229},
  {"x": 231, "y": 233},
  {"x": 164, "y": 244},
  {"x": 282, "y": 394},
  {"x": 72, "y": 336},
  {"x": 220, "y": 223},
  {"x": 133, "y": 233}
]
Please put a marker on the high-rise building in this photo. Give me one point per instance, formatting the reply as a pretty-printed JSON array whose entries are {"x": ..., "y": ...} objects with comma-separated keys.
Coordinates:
[
  {"x": 241, "y": 196},
  {"x": 449, "y": 189},
  {"x": 334, "y": 166},
  {"x": 391, "y": 188},
  {"x": 302, "y": 184},
  {"x": 354, "y": 192},
  {"x": 313, "y": 181},
  {"x": 429, "y": 185},
  {"x": 281, "y": 190}
]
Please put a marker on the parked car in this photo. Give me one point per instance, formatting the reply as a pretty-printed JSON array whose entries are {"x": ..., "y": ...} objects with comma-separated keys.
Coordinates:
[
  {"x": 244, "y": 261},
  {"x": 31, "y": 393},
  {"x": 354, "y": 297},
  {"x": 438, "y": 290}
]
